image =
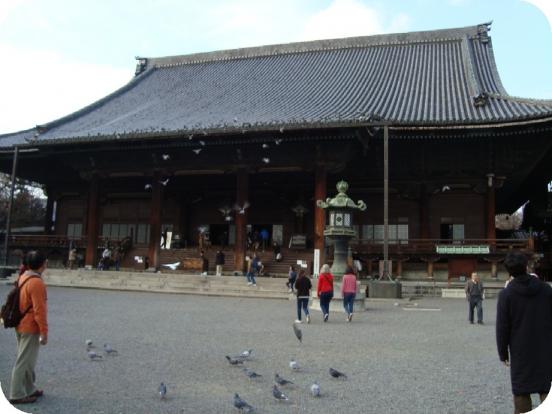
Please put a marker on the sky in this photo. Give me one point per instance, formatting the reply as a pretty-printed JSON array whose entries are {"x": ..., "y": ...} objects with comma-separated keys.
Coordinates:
[{"x": 57, "y": 56}]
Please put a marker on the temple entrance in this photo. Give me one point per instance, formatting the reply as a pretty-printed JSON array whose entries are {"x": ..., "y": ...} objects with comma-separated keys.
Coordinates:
[{"x": 218, "y": 234}]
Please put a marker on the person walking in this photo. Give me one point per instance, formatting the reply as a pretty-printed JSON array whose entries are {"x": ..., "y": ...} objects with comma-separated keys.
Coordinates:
[
  {"x": 219, "y": 262},
  {"x": 72, "y": 257},
  {"x": 324, "y": 290},
  {"x": 292, "y": 277},
  {"x": 524, "y": 332},
  {"x": 303, "y": 287},
  {"x": 348, "y": 291},
  {"x": 204, "y": 264},
  {"x": 474, "y": 296},
  {"x": 31, "y": 332},
  {"x": 251, "y": 269}
]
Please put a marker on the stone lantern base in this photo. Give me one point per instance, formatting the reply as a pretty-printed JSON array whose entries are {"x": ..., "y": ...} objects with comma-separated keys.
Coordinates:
[{"x": 384, "y": 289}]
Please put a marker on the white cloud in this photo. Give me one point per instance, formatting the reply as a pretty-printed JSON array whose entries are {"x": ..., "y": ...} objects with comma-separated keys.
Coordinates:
[
  {"x": 545, "y": 6},
  {"x": 41, "y": 86},
  {"x": 345, "y": 18},
  {"x": 7, "y": 7}
]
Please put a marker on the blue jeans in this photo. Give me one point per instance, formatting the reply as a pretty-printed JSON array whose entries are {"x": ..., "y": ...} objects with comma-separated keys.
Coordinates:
[
  {"x": 325, "y": 299},
  {"x": 251, "y": 277},
  {"x": 348, "y": 301},
  {"x": 476, "y": 302},
  {"x": 302, "y": 303}
]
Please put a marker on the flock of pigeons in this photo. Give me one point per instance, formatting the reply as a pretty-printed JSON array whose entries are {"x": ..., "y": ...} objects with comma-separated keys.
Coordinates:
[
  {"x": 238, "y": 361},
  {"x": 279, "y": 381}
]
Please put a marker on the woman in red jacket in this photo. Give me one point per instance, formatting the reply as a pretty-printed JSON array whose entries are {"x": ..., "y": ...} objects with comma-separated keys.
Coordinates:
[{"x": 325, "y": 290}]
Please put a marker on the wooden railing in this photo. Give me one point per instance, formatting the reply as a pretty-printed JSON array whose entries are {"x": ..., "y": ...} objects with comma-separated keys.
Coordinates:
[
  {"x": 28, "y": 241},
  {"x": 429, "y": 246}
]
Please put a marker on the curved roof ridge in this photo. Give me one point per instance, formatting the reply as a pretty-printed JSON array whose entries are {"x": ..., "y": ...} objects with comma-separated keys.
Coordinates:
[
  {"x": 318, "y": 45},
  {"x": 519, "y": 99}
]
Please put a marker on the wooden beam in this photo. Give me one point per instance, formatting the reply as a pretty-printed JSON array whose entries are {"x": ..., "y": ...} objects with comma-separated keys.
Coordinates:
[
  {"x": 155, "y": 222},
  {"x": 242, "y": 194},
  {"x": 320, "y": 185},
  {"x": 92, "y": 222}
]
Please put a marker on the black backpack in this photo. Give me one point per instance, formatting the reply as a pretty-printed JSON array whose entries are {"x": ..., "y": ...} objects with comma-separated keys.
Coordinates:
[{"x": 10, "y": 313}]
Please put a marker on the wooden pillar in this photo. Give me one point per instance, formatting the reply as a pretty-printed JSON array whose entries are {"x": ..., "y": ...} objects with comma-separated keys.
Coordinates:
[
  {"x": 320, "y": 177},
  {"x": 242, "y": 194},
  {"x": 49, "y": 210},
  {"x": 155, "y": 222},
  {"x": 424, "y": 213},
  {"x": 491, "y": 228},
  {"x": 92, "y": 222}
]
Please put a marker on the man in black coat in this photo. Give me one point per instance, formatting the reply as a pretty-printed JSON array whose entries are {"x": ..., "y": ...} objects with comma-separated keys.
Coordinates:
[{"x": 524, "y": 328}]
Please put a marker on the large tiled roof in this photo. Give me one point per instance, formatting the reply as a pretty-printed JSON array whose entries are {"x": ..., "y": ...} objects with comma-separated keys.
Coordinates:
[{"x": 433, "y": 78}]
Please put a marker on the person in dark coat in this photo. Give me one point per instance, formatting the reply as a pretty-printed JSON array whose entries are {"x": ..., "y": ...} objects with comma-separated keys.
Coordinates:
[
  {"x": 524, "y": 332},
  {"x": 219, "y": 262},
  {"x": 204, "y": 264}
]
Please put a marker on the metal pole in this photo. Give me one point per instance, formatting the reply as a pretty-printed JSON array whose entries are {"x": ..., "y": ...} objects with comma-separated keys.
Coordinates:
[
  {"x": 10, "y": 205},
  {"x": 386, "y": 202}
]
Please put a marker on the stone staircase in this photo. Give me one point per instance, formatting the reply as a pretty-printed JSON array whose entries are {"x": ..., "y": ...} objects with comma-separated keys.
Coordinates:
[
  {"x": 168, "y": 282},
  {"x": 272, "y": 268}
]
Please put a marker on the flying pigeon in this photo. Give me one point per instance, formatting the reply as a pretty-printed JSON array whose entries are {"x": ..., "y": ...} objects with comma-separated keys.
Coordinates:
[
  {"x": 266, "y": 160},
  {"x": 336, "y": 374},
  {"x": 281, "y": 130},
  {"x": 233, "y": 361},
  {"x": 251, "y": 374},
  {"x": 265, "y": 146},
  {"x": 172, "y": 266},
  {"x": 294, "y": 365},
  {"x": 190, "y": 136},
  {"x": 445, "y": 188},
  {"x": 197, "y": 151},
  {"x": 147, "y": 187},
  {"x": 109, "y": 350},
  {"x": 242, "y": 405},
  {"x": 241, "y": 210},
  {"x": 281, "y": 381},
  {"x": 166, "y": 157},
  {"x": 298, "y": 332},
  {"x": 93, "y": 356},
  {"x": 315, "y": 390},
  {"x": 162, "y": 390},
  {"x": 165, "y": 182},
  {"x": 202, "y": 143},
  {"x": 278, "y": 141},
  {"x": 279, "y": 395}
]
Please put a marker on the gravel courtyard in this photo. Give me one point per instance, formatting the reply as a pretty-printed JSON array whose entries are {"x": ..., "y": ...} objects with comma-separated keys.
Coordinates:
[{"x": 398, "y": 359}]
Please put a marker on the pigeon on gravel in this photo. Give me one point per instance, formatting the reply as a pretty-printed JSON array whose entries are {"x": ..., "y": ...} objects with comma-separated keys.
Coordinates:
[
  {"x": 162, "y": 390},
  {"x": 109, "y": 350},
  {"x": 251, "y": 374},
  {"x": 233, "y": 361},
  {"x": 94, "y": 356},
  {"x": 242, "y": 405},
  {"x": 247, "y": 353},
  {"x": 315, "y": 390},
  {"x": 89, "y": 343},
  {"x": 294, "y": 365},
  {"x": 298, "y": 333},
  {"x": 281, "y": 381},
  {"x": 279, "y": 395},
  {"x": 336, "y": 374}
]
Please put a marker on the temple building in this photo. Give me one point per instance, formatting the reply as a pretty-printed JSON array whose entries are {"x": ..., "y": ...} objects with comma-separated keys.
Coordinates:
[{"x": 232, "y": 142}]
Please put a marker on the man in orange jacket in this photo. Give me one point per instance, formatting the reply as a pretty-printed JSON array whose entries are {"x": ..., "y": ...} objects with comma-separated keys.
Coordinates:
[{"x": 31, "y": 332}]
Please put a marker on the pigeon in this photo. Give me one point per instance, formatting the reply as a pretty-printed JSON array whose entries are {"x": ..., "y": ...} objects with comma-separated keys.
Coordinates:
[
  {"x": 278, "y": 141},
  {"x": 190, "y": 136},
  {"x": 241, "y": 210},
  {"x": 197, "y": 151},
  {"x": 247, "y": 353},
  {"x": 336, "y": 374},
  {"x": 298, "y": 332},
  {"x": 233, "y": 361},
  {"x": 315, "y": 390},
  {"x": 242, "y": 405},
  {"x": 445, "y": 188},
  {"x": 265, "y": 146},
  {"x": 94, "y": 356},
  {"x": 279, "y": 395},
  {"x": 266, "y": 160},
  {"x": 251, "y": 374},
  {"x": 166, "y": 157},
  {"x": 89, "y": 343},
  {"x": 165, "y": 182},
  {"x": 172, "y": 266},
  {"x": 147, "y": 187},
  {"x": 281, "y": 381},
  {"x": 109, "y": 350},
  {"x": 281, "y": 130},
  {"x": 162, "y": 390},
  {"x": 294, "y": 365},
  {"x": 202, "y": 143}
]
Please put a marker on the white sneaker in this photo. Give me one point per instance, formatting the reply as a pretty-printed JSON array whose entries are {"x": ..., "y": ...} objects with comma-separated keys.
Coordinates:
[
  {"x": 249, "y": 283},
  {"x": 308, "y": 318},
  {"x": 298, "y": 321},
  {"x": 289, "y": 290},
  {"x": 254, "y": 284}
]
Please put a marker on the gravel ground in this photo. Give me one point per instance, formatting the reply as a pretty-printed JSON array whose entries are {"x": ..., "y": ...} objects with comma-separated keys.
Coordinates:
[{"x": 397, "y": 361}]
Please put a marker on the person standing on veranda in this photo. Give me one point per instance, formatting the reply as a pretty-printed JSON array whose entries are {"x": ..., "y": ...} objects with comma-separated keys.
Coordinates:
[{"x": 31, "y": 332}]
